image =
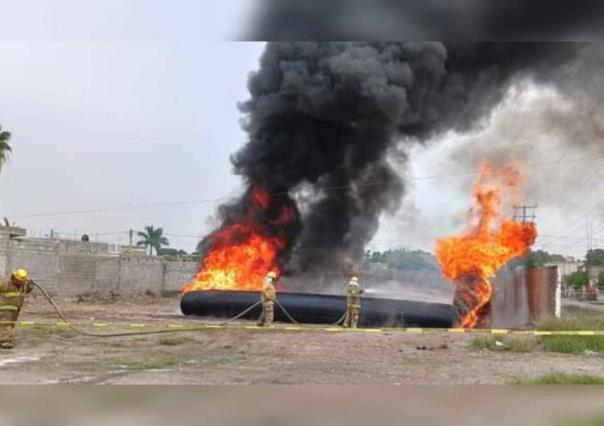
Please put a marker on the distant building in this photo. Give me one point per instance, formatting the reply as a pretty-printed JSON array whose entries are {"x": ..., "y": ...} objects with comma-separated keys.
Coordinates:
[
  {"x": 565, "y": 268},
  {"x": 593, "y": 273}
]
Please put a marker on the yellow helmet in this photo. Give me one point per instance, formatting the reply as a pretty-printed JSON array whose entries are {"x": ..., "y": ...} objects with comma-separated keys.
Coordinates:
[
  {"x": 20, "y": 274},
  {"x": 355, "y": 279},
  {"x": 271, "y": 275}
]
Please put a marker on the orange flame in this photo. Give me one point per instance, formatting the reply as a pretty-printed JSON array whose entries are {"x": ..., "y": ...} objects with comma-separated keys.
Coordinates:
[
  {"x": 239, "y": 260},
  {"x": 489, "y": 243},
  {"x": 240, "y": 255}
]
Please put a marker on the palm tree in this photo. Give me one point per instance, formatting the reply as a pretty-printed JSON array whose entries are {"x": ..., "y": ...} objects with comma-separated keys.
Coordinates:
[
  {"x": 4, "y": 146},
  {"x": 152, "y": 238}
]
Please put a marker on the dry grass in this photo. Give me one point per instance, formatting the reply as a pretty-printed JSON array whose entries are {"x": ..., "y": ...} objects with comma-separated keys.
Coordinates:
[
  {"x": 515, "y": 344},
  {"x": 147, "y": 363},
  {"x": 174, "y": 341}
]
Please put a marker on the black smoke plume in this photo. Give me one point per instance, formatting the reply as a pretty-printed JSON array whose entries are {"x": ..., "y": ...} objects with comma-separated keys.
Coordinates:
[
  {"x": 322, "y": 119},
  {"x": 467, "y": 20}
]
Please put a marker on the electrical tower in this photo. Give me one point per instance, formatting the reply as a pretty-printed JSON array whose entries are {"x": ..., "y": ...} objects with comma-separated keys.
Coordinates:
[{"x": 521, "y": 213}]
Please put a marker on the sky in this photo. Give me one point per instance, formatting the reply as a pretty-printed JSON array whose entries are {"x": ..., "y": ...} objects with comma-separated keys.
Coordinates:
[
  {"x": 99, "y": 125},
  {"x": 120, "y": 103},
  {"x": 113, "y": 106}
]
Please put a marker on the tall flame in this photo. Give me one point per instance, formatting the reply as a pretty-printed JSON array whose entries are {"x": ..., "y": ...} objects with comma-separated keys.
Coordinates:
[
  {"x": 241, "y": 254},
  {"x": 472, "y": 259}
]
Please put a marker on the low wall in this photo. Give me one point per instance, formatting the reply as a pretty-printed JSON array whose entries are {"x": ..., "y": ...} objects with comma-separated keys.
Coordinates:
[{"x": 73, "y": 267}]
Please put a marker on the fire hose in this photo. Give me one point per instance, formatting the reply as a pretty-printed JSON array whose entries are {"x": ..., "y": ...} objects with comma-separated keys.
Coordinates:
[
  {"x": 296, "y": 322},
  {"x": 79, "y": 331},
  {"x": 90, "y": 334},
  {"x": 285, "y": 312}
]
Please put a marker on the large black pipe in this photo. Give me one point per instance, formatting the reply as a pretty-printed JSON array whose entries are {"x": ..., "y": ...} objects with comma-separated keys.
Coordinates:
[{"x": 319, "y": 308}]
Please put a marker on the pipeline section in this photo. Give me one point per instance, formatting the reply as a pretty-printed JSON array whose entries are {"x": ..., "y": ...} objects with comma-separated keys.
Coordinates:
[{"x": 319, "y": 308}]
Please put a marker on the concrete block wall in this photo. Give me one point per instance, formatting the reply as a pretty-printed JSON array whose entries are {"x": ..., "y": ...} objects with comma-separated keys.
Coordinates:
[
  {"x": 72, "y": 246},
  {"x": 74, "y": 267},
  {"x": 4, "y": 247},
  {"x": 141, "y": 273},
  {"x": 39, "y": 256},
  {"x": 178, "y": 273},
  {"x": 107, "y": 274},
  {"x": 77, "y": 272}
]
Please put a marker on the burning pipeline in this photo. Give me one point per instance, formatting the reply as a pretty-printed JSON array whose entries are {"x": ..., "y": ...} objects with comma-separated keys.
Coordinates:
[{"x": 472, "y": 258}]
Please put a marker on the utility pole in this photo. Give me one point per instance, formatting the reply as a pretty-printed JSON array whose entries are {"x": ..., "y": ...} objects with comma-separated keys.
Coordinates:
[
  {"x": 589, "y": 231},
  {"x": 589, "y": 246},
  {"x": 521, "y": 213},
  {"x": 130, "y": 234}
]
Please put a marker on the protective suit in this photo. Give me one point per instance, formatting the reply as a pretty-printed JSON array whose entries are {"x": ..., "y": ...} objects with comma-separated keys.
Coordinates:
[
  {"x": 12, "y": 296},
  {"x": 353, "y": 303},
  {"x": 267, "y": 296}
]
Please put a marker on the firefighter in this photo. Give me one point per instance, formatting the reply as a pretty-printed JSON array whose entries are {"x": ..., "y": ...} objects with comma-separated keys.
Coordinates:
[
  {"x": 12, "y": 296},
  {"x": 353, "y": 303},
  {"x": 268, "y": 296}
]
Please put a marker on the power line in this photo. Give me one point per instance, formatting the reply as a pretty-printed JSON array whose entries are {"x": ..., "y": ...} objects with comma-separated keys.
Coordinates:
[
  {"x": 524, "y": 217},
  {"x": 596, "y": 170},
  {"x": 223, "y": 198},
  {"x": 109, "y": 209}
]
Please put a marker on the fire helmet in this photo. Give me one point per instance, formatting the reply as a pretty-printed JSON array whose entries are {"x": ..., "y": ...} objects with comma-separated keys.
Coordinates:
[
  {"x": 354, "y": 280},
  {"x": 20, "y": 274},
  {"x": 272, "y": 275}
]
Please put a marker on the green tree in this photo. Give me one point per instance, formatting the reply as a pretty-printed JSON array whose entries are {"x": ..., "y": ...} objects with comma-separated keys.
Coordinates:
[
  {"x": 152, "y": 238},
  {"x": 404, "y": 259},
  {"x": 576, "y": 279},
  {"x": 536, "y": 258},
  {"x": 595, "y": 257},
  {"x": 600, "y": 282},
  {"x": 172, "y": 252},
  {"x": 4, "y": 146}
]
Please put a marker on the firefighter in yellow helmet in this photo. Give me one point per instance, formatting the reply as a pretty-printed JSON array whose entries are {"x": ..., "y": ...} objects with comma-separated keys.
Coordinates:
[
  {"x": 12, "y": 296},
  {"x": 353, "y": 303},
  {"x": 267, "y": 296}
]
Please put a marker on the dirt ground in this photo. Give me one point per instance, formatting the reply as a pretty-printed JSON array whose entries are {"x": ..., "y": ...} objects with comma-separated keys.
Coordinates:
[{"x": 237, "y": 355}]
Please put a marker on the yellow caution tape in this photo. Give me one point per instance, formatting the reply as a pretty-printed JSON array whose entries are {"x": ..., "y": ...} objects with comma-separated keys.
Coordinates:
[
  {"x": 9, "y": 308},
  {"x": 304, "y": 327},
  {"x": 176, "y": 326},
  {"x": 137, "y": 325},
  {"x": 586, "y": 333}
]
